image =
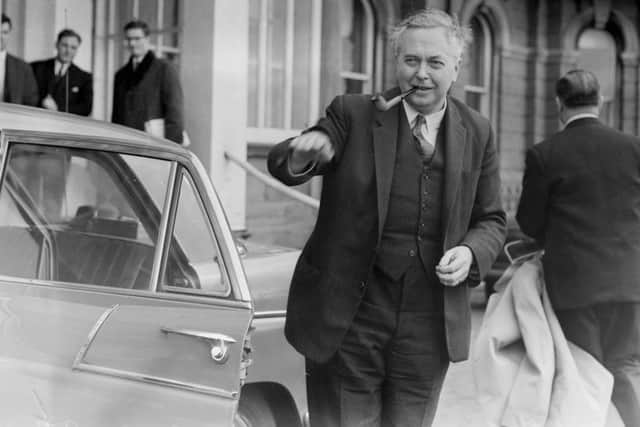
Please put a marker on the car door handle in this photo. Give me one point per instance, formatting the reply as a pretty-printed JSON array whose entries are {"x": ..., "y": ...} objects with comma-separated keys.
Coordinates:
[{"x": 219, "y": 342}]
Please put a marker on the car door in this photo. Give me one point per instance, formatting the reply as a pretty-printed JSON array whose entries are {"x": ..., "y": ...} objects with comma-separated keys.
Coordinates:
[{"x": 121, "y": 297}]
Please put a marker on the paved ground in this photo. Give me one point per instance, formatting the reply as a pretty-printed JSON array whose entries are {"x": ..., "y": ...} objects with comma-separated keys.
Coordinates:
[{"x": 457, "y": 406}]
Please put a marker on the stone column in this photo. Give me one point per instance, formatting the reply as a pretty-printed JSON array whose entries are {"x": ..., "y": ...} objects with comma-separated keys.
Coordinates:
[{"x": 214, "y": 67}]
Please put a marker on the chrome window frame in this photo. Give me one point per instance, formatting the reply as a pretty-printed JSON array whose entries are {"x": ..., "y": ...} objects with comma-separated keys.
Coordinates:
[
  {"x": 181, "y": 175},
  {"x": 239, "y": 295}
]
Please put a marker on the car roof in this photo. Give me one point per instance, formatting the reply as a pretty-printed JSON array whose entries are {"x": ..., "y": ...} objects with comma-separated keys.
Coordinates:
[{"x": 24, "y": 118}]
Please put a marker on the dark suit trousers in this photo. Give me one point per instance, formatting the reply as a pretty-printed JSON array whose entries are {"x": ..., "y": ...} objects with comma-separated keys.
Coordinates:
[
  {"x": 392, "y": 362},
  {"x": 611, "y": 333}
]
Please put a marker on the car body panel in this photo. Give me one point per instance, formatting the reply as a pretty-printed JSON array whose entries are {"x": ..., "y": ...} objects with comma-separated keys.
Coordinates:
[{"x": 85, "y": 354}]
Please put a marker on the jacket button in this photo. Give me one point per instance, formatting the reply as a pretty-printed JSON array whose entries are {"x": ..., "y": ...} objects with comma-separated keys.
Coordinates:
[
  {"x": 412, "y": 252},
  {"x": 363, "y": 286}
]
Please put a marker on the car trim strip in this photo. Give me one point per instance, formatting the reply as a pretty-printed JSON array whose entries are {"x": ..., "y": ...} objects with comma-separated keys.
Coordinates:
[
  {"x": 92, "y": 335},
  {"x": 209, "y": 299},
  {"x": 267, "y": 314},
  {"x": 156, "y": 380}
]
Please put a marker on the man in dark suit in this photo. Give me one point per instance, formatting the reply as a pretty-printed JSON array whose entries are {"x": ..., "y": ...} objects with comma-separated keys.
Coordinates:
[
  {"x": 62, "y": 85},
  {"x": 581, "y": 201},
  {"x": 410, "y": 216},
  {"x": 17, "y": 84},
  {"x": 146, "y": 92}
]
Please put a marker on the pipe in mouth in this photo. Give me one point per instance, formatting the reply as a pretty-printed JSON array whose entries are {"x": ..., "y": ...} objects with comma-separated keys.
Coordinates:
[{"x": 383, "y": 105}]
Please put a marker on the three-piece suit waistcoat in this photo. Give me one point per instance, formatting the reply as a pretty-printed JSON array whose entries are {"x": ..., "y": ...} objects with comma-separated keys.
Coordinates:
[{"x": 413, "y": 227}]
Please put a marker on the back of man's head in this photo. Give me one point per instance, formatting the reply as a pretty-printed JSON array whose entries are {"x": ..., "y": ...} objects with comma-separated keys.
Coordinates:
[{"x": 578, "y": 88}]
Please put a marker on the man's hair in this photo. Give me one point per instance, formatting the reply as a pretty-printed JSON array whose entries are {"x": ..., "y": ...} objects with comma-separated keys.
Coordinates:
[
  {"x": 68, "y": 32},
  {"x": 6, "y": 19},
  {"x": 432, "y": 18},
  {"x": 578, "y": 88},
  {"x": 137, "y": 23}
]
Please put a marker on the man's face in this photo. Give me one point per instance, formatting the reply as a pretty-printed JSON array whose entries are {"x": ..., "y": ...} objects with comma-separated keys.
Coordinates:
[
  {"x": 67, "y": 48},
  {"x": 428, "y": 60},
  {"x": 136, "y": 42},
  {"x": 5, "y": 30}
]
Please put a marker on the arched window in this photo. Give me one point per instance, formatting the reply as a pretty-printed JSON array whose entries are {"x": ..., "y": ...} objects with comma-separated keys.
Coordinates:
[
  {"x": 284, "y": 52},
  {"x": 357, "y": 32},
  {"x": 478, "y": 66},
  {"x": 598, "y": 52}
]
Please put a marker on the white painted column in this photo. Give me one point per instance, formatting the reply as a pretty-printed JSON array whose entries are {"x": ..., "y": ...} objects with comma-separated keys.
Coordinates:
[{"x": 214, "y": 70}]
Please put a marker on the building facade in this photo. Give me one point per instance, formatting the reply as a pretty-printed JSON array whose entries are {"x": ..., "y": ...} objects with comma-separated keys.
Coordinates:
[{"x": 257, "y": 71}]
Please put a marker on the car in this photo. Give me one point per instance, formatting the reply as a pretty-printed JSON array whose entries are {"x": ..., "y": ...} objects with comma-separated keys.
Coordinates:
[{"x": 123, "y": 298}]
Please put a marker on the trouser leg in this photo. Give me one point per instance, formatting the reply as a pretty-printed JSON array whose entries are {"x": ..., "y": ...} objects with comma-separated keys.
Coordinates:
[
  {"x": 417, "y": 358},
  {"x": 346, "y": 390},
  {"x": 417, "y": 364},
  {"x": 621, "y": 344}
]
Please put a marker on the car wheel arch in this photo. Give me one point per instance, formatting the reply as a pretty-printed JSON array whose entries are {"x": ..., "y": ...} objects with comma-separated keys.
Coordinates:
[{"x": 269, "y": 404}]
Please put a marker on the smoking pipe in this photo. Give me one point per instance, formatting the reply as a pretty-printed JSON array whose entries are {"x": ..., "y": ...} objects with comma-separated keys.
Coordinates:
[{"x": 383, "y": 105}]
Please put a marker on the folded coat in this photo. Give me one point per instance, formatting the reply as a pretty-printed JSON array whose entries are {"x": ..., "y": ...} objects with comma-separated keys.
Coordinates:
[{"x": 526, "y": 373}]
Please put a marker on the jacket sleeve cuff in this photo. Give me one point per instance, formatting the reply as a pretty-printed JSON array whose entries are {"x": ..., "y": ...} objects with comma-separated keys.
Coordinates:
[{"x": 474, "y": 272}]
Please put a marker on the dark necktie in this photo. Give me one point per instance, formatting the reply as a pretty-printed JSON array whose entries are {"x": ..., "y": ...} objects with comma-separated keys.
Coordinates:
[{"x": 422, "y": 145}]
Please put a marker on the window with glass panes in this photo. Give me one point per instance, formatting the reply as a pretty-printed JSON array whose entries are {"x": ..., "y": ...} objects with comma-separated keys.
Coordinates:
[
  {"x": 478, "y": 66},
  {"x": 598, "y": 52},
  {"x": 357, "y": 31},
  {"x": 284, "y": 67}
]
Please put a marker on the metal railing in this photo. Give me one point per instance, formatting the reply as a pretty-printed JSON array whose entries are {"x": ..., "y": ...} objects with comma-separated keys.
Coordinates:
[{"x": 272, "y": 182}]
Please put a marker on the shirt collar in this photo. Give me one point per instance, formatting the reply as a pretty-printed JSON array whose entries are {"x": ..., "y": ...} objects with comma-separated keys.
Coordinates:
[
  {"x": 3, "y": 55},
  {"x": 59, "y": 65},
  {"x": 433, "y": 120},
  {"x": 581, "y": 116}
]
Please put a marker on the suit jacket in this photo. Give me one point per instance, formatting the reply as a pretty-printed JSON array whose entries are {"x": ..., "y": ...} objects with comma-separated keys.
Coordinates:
[
  {"x": 331, "y": 273},
  {"x": 19, "y": 84},
  {"x": 581, "y": 200},
  {"x": 78, "y": 82},
  {"x": 152, "y": 91}
]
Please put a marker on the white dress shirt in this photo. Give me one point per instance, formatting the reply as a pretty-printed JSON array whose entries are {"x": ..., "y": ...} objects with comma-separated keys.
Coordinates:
[
  {"x": 432, "y": 121},
  {"x": 59, "y": 69},
  {"x": 581, "y": 116}
]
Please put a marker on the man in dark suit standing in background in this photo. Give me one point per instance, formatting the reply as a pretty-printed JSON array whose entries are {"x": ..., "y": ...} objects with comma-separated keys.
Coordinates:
[
  {"x": 17, "y": 84},
  {"x": 581, "y": 201},
  {"x": 147, "y": 94},
  {"x": 63, "y": 86},
  {"x": 410, "y": 216}
]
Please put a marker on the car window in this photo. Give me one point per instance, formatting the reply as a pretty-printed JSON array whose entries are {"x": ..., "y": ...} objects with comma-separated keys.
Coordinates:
[
  {"x": 193, "y": 261},
  {"x": 80, "y": 216}
]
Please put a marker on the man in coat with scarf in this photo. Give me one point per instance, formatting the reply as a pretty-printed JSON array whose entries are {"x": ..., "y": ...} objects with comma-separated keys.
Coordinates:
[{"x": 146, "y": 92}]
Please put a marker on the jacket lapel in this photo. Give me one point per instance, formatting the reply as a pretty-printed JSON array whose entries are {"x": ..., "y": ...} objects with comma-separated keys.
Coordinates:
[
  {"x": 385, "y": 135},
  {"x": 455, "y": 142}
]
